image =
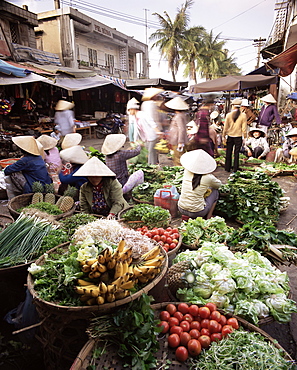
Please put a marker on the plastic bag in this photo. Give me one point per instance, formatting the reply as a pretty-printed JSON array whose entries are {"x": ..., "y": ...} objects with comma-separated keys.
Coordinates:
[{"x": 167, "y": 193}]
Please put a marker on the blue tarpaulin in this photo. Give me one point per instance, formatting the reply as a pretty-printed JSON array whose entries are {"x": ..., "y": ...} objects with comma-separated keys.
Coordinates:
[
  {"x": 8, "y": 69},
  {"x": 292, "y": 96}
]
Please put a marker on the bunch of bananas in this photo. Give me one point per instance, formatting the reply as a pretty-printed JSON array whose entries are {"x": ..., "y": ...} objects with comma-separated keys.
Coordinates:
[
  {"x": 162, "y": 146},
  {"x": 112, "y": 275}
]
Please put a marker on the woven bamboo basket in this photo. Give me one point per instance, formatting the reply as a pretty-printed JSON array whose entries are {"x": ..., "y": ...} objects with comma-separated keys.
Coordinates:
[
  {"x": 139, "y": 223},
  {"x": 5, "y": 220},
  {"x": 62, "y": 329},
  {"x": 165, "y": 355},
  {"x": 25, "y": 199},
  {"x": 141, "y": 201}
]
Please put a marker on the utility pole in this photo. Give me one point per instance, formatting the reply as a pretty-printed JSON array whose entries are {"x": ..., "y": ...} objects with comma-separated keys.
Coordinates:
[
  {"x": 259, "y": 43},
  {"x": 145, "y": 16}
]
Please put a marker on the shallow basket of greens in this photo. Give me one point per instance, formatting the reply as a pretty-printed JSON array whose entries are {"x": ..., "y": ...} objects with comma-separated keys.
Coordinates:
[{"x": 245, "y": 284}]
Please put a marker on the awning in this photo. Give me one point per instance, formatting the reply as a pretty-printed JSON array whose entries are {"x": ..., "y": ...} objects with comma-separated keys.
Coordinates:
[
  {"x": 285, "y": 61},
  {"x": 272, "y": 49},
  {"x": 75, "y": 72},
  {"x": 29, "y": 68},
  {"x": 230, "y": 83},
  {"x": 25, "y": 53},
  {"x": 9, "y": 69},
  {"x": 32, "y": 77},
  {"x": 139, "y": 84},
  {"x": 116, "y": 81},
  {"x": 77, "y": 84}
]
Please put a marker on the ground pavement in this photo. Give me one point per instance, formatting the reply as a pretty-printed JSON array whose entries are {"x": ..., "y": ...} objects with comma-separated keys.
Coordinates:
[{"x": 285, "y": 334}]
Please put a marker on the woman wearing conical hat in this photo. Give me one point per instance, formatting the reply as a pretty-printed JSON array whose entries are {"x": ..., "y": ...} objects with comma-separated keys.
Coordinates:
[
  {"x": 256, "y": 145},
  {"x": 51, "y": 153},
  {"x": 20, "y": 175},
  {"x": 64, "y": 117},
  {"x": 102, "y": 194},
  {"x": 268, "y": 113}
]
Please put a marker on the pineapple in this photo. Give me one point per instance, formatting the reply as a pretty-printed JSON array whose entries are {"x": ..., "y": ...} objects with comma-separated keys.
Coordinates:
[
  {"x": 37, "y": 189},
  {"x": 66, "y": 202},
  {"x": 175, "y": 275},
  {"x": 49, "y": 196}
]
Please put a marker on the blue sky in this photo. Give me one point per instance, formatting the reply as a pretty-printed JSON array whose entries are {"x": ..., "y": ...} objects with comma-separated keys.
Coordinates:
[{"x": 237, "y": 21}]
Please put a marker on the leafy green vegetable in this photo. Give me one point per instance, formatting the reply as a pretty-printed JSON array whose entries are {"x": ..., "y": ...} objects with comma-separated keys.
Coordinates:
[
  {"x": 49, "y": 208},
  {"x": 150, "y": 215},
  {"x": 70, "y": 224}
]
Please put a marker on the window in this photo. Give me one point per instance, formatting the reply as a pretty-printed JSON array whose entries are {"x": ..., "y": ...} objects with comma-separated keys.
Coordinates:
[
  {"x": 109, "y": 60},
  {"x": 93, "y": 57},
  {"x": 14, "y": 33}
]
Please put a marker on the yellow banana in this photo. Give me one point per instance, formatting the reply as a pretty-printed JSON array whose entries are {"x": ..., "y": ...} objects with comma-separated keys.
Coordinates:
[
  {"x": 91, "y": 301},
  {"x": 86, "y": 268},
  {"x": 121, "y": 245},
  {"x": 118, "y": 269},
  {"x": 154, "y": 262},
  {"x": 111, "y": 288},
  {"x": 111, "y": 264},
  {"x": 94, "y": 266},
  {"x": 84, "y": 298},
  {"x": 95, "y": 293},
  {"x": 101, "y": 268},
  {"x": 102, "y": 287},
  {"x": 82, "y": 282},
  {"x": 125, "y": 267},
  {"x": 151, "y": 253},
  {"x": 101, "y": 259},
  {"x": 96, "y": 274},
  {"x": 121, "y": 294},
  {"x": 100, "y": 299},
  {"x": 107, "y": 254},
  {"x": 91, "y": 261},
  {"x": 128, "y": 285},
  {"x": 118, "y": 281},
  {"x": 127, "y": 276},
  {"x": 110, "y": 297},
  {"x": 137, "y": 272},
  {"x": 130, "y": 269},
  {"x": 82, "y": 262},
  {"x": 143, "y": 279},
  {"x": 145, "y": 269},
  {"x": 150, "y": 269},
  {"x": 80, "y": 290}
]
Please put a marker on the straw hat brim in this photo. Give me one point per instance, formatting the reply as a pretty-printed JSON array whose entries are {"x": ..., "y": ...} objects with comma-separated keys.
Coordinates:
[
  {"x": 236, "y": 102},
  {"x": 40, "y": 149},
  {"x": 75, "y": 154},
  {"x": 64, "y": 105},
  {"x": 150, "y": 92},
  {"x": 177, "y": 103},
  {"x": 293, "y": 132},
  {"x": 198, "y": 161},
  {"x": 48, "y": 142},
  {"x": 94, "y": 167},
  {"x": 71, "y": 139},
  {"x": 112, "y": 143},
  {"x": 268, "y": 99},
  {"x": 27, "y": 143},
  {"x": 263, "y": 134},
  {"x": 293, "y": 152}
]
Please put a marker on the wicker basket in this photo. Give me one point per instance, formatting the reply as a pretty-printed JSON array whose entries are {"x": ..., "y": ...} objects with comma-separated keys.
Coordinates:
[
  {"x": 138, "y": 223},
  {"x": 62, "y": 332},
  {"x": 165, "y": 355},
  {"x": 141, "y": 201},
  {"x": 25, "y": 199},
  {"x": 5, "y": 220}
]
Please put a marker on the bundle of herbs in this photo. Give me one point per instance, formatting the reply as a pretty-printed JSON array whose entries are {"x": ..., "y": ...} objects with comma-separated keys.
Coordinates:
[
  {"x": 71, "y": 224},
  {"x": 148, "y": 215},
  {"x": 132, "y": 330},
  {"x": 250, "y": 196}
]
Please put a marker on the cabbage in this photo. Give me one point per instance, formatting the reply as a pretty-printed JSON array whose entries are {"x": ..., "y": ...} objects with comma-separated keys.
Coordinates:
[
  {"x": 281, "y": 307},
  {"x": 211, "y": 269},
  {"x": 220, "y": 300}
]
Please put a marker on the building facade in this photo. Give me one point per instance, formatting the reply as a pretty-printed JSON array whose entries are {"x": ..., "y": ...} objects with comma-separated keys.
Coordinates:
[{"x": 82, "y": 42}]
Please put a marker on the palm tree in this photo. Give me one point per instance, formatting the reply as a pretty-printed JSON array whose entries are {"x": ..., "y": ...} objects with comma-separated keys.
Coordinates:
[
  {"x": 228, "y": 66},
  {"x": 192, "y": 44},
  {"x": 170, "y": 36}
]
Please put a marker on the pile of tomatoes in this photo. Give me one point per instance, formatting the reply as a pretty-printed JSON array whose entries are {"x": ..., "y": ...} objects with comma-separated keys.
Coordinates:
[
  {"x": 168, "y": 238},
  {"x": 191, "y": 328}
]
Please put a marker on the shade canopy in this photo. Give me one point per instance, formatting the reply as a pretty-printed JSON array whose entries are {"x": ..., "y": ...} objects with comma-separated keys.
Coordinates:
[
  {"x": 10, "y": 80},
  {"x": 77, "y": 84},
  {"x": 11, "y": 70},
  {"x": 285, "y": 61},
  {"x": 230, "y": 83},
  {"x": 140, "y": 84}
]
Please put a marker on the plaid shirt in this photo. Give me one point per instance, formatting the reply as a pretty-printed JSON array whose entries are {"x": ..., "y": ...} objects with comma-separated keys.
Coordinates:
[{"x": 117, "y": 163}]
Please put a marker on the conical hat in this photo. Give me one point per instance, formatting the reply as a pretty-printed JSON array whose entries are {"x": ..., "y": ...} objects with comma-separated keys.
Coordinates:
[
  {"x": 268, "y": 99},
  {"x": 70, "y": 140},
  {"x": 177, "y": 103},
  {"x": 94, "y": 167},
  {"x": 27, "y": 143},
  {"x": 47, "y": 142},
  {"x": 113, "y": 143},
  {"x": 133, "y": 104},
  {"x": 150, "y": 92},
  {"x": 64, "y": 105},
  {"x": 292, "y": 132},
  {"x": 198, "y": 161},
  {"x": 75, "y": 154},
  {"x": 293, "y": 152},
  {"x": 40, "y": 149},
  {"x": 263, "y": 133}
]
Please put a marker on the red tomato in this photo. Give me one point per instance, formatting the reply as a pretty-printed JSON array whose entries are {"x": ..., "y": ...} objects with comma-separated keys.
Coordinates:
[
  {"x": 164, "y": 316},
  {"x": 173, "y": 321},
  {"x": 184, "y": 338},
  {"x": 175, "y": 241},
  {"x": 233, "y": 322},
  {"x": 179, "y": 316},
  {"x": 169, "y": 228},
  {"x": 226, "y": 329},
  {"x": 215, "y": 337},
  {"x": 195, "y": 325},
  {"x": 153, "y": 232},
  {"x": 188, "y": 317},
  {"x": 156, "y": 238},
  {"x": 171, "y": 308},
  {"x": 185, "y": 325},
  {"x": 166, "y": 233},
  {"x": 175, "y": 230},
  {"x": 173, "y": 340},
  {"x": 211, "y": 306},
  {"x": 166, "y": 245},
  {"x": 161, "y": 243},
  {"x": 204, "y": 323},
  {"x": 161, "y": 231},
  {"x": 181, "y": 354},
  {"x": 205, "y": 331},
  {"x": 165, "y": 248},
  {"x": 168, "y": 240},
  {"x": 194, "y": 347},
  {"x": 183, "y": 308},
  {"x": 176, "y": 329},
  {"x": 163, "y": 238},
  {"x": 172, "y": 246},
  {"x": 148, "y": 234},
  {"x": 214, "y": 326},
  {"x": 165, "y": 326},
  {"x": 194, "y": 310},
  {"x": 175, "y": 236},
  {"x": 194, "y": 333},
  {"x": 204, "y": 312},
  {"x": 223, "y": 320},
  {"x": 215, "y": 315},
  {"x": 139, "y": 229},
  {"x": 204, "y": 341}
]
